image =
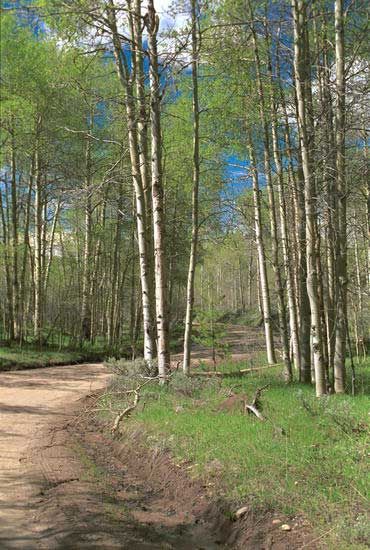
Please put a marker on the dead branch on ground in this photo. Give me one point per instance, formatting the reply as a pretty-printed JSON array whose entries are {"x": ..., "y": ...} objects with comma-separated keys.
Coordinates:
[
  {"x": 128, "y": 410},
  {"x": 240, "y": 372},
  {"x": 255, "y": 406}
]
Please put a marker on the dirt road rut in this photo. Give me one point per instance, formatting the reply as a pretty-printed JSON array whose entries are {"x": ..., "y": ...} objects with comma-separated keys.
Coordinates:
[{"x": 29, "y": 400}]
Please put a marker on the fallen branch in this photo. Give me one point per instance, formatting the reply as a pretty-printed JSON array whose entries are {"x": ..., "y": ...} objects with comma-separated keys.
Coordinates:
[
  {"x": 255, "y": 411},
  {"x": 255, "y": 406},
  {"x": 120, "y": 416},
  {"x": 232, "y": 373},
  {"x": 126, "y": 412}
]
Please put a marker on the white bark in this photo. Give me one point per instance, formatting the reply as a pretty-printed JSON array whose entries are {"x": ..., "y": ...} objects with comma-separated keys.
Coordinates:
[
  {"x": 341, "y": 264},
  {"x": 305, "y": 133},
  {"x": 141, "y": 215},
  {"x": 265, "y": 293},
  {"x": 196, "y": 174},
  {"x": 160, "y": 267}
]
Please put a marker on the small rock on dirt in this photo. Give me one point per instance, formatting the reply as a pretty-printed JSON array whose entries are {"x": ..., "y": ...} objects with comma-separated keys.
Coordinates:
[
  {"x": 241, "y": 512},
  {"x": 276, "y": 521},
  {"x": 286, "y": 527}
]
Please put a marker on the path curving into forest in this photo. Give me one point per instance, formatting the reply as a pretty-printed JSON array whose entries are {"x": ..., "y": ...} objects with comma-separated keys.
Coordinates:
[
  {"x": 29, "y": 401},
  {"x": 242, "y": 343},
  {"x": 61, "y": 490}
]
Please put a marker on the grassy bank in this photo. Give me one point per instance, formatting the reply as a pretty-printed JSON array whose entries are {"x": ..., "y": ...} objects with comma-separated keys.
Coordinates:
[
  {"x": 29, "y": 357},
  {"x": 309, "y": 457}
]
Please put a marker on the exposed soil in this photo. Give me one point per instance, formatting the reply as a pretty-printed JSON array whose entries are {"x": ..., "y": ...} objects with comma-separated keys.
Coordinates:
[
  {"x": 65, "y": 484},
  {"x": 29, "y": 401},
  {"x": 101, "y": 493}
]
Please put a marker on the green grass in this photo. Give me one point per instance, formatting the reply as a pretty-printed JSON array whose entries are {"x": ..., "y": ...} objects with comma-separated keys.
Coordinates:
[
  {"x": 308, "y": 458},
  {"x": 30, "y": 357}
]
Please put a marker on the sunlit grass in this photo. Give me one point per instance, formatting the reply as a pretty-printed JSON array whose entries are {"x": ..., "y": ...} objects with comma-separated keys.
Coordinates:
[{"x": 309, "y": 457}]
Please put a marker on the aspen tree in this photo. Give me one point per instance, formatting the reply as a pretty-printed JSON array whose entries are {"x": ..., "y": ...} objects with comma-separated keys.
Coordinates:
[
  {"x": 195, "y": 193},
  {"x": 264, "y": 286},
  {"x": 86, "y": 261},
  {"x": 305, "y": 136},
  {"x": 161, "y": 290},
  {"x": 141, "y": 214},
  {"x": 341, "y": 263},
  {"x": 293, "y": 319},
  {"x": 15, "y": 241},
  {"x": 271, "y": 196},
  {"x": 38, "y": 276}
]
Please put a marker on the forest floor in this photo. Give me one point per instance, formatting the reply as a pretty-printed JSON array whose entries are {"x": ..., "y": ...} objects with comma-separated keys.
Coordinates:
[{"x": 66, "y": 484}]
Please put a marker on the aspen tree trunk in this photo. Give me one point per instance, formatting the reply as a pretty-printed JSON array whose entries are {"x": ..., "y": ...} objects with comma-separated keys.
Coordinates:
[
  {"x": 361, "y": 331},
  {"x": 37, "y": 323},
  {"x": 196, "y": 175},
  {"x": 324, "y": 75},
  {"x": 293, "y": 320},
  {"x": 44, "y": 233},
  {"x": 142, "y": 138},
  {"x": 367, "y": 194},
  {"x": 133, "y": 301},
  {"x": 51, "y": 245},
  {"x": 305, "y": 135},
  {"x": 15, "y": 282},
  {"x": 303, "y": 306},
  {"x": 250, "y": 278},
  {"x": 95, "y": 271},
  {"x": 157, "y": 198},
  {"x": 86, "y": 262},
  {"x": 341, "y": 264},
  {"x": 304, "y": 302},
  {"x": 9, "y": 287},
  {"x": 274, "y": 237},
  {"x": 141, "y": 215},
  {"x": 142, "y": 119},
  {"x": 172, "y": 257},
  {"x": 265, "y": 293},
  {"x": 26, "y": 245},
  {"x": 321, "y": 297},
  {"x": 114, "y": 277},
  {"x": 241, "y": 286}
]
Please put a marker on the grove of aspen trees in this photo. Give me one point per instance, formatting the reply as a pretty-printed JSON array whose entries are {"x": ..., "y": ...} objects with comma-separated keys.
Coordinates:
[{"x": 157, "y": 165}]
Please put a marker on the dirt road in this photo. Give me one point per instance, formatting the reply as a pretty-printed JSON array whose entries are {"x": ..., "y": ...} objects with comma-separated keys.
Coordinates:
[
  {"x": 28, "y": 401},
  {"x": 65, "y": 485},
  {"x": 60, "y": 489}
]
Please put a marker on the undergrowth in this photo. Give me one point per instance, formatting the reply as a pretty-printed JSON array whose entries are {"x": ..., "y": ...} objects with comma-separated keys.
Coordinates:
[{"x": 309, "y": 457}]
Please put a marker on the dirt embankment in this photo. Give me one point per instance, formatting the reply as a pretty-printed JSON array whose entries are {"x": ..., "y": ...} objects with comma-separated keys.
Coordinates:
[{"x": 97, "y": 493}]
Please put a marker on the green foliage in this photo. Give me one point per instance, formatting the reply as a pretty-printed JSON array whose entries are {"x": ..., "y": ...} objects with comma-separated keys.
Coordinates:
[{"x": 296, "y": 462}]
